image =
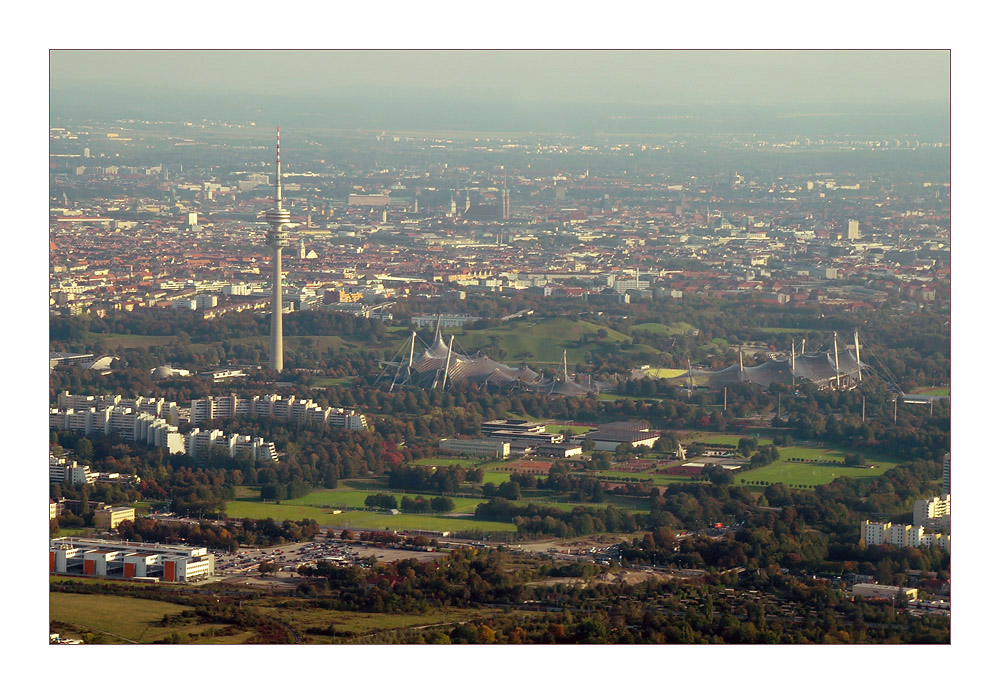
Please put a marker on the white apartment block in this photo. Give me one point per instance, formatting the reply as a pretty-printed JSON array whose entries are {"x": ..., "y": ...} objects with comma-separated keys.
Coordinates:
[
  {"x": 933, "y": 513},
  {"x": 274, "y": 406},
  {"x": 62, "y": 471},
  {"x": 903, "y": 536},
  {"x": 199, "y": 443},
  {"x": 156, "y": 406},
  {"x": 206, "y": 301},
  {"x": 140, "y": 419}
]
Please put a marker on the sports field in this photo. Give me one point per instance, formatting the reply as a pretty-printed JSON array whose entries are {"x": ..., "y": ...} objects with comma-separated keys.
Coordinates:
[
  {"x": 809, "y": 474},
  {"x": 330, "y": 381}
]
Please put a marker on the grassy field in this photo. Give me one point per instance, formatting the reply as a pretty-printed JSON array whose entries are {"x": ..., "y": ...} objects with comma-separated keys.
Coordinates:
[
  {"x": 942, "y": 391},
  {"x": 679, "y": 328},
  {"x": 120, "y": 341},
  {"x": 359, "y": 519},
  {"x": 544, "y": 340},
  {"x": 665, "y": 373},
  {"x": 439, "y": 462},
  {"x": 810, "y": 474},
  {"x": 783, "y": 331},
  {"x": 356, "y": 499},
  {"x": 360, "y": 624},
  {"x": 120, "y": 619},
  {"x": 556, "y": 428},
  {"x": 324, "y": 382}
]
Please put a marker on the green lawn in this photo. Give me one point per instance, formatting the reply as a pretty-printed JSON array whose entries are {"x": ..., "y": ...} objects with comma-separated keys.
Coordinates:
[
  {"x": 783, "y": 331},
  {"x": 126, "y": 619},
  {"x": 121, "y": 341},
  {"x": 557, "y": 428},
  {"x": 544, "y": 340},
  {"x": 679, "y": 328},
  {"x": 359, "y": 519},
  {"x": 665, "y": 373},
  {"x": 810, "y": 474},
  {"x": 330, "y": 381},
  {"x": 943, "y": 391},
  {"x": 731, "y": 439},
  {"x": 439, "y": 462},
  {"x": 496, "y": 477},
  {"x": 354, "y": 624}
]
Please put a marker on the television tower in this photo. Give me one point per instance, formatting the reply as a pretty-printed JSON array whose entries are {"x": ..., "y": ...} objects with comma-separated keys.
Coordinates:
[
  {"x": 504, "y": 198},
  {"x": 277, "y": 239}
]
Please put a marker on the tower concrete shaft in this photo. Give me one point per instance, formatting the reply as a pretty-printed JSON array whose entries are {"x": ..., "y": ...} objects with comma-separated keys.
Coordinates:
[
  {"x": 277, "y": 361},
  {"x": 277, "y": 239}
]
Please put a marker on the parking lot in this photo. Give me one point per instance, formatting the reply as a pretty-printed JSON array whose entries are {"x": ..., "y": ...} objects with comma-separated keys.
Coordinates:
[{"x": 287, "y": 558}]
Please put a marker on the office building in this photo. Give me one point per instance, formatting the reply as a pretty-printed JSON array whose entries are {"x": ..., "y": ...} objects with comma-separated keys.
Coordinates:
[
  {"x": 130, "y": 560},
  {"x": 477, "y": 448},
  {"x": 110, "y": 517},
  {"x": 853, "y": 230}
]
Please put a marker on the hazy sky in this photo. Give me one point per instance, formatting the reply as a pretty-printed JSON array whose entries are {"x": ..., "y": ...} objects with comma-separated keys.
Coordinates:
[{"x": 653, "y": 77}]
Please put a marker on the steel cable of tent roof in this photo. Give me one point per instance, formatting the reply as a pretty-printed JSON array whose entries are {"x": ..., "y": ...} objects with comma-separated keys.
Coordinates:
[{"x": 887, "y": 373}]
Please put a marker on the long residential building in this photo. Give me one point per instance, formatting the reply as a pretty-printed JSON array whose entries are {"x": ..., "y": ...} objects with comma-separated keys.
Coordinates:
[
  {"x": 157, "y": 407},
  {"x": 900, "y": 535},
  {"x": 125, "y": 421},
  {"x": 199, "y": 443},
  {"x": 274, "y": 406}
]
